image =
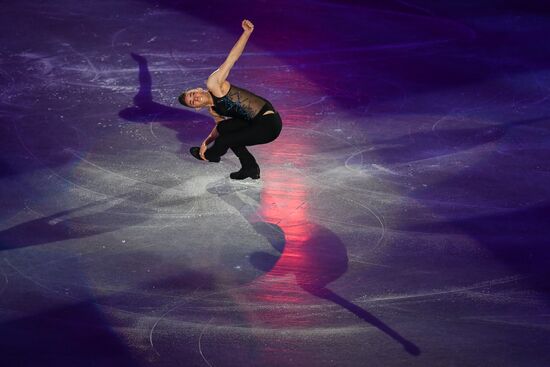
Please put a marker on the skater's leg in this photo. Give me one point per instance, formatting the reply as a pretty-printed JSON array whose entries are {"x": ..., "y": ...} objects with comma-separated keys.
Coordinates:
[
  {"x": 258, "y": 132},
  {"x": 245, "y": 157},
  {"x": 225, "y": 127},
  {"x": 231, "y": 125},
  {"x": 249, "y": 166}
]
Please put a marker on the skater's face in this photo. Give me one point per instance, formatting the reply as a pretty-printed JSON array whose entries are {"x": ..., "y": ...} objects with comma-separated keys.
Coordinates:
[{"x": 196, "y": 98}]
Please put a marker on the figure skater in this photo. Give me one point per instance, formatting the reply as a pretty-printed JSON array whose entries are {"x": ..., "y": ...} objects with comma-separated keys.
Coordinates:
[{"x": 242, "y": 117}]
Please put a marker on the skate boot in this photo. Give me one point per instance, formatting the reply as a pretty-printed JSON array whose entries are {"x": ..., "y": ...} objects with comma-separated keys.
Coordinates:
[
  {"x": 252, "y": 172},
  {"x": 195, "y": 153}
]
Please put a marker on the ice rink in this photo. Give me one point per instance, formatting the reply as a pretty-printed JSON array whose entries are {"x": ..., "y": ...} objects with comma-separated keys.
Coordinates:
[{"x": 402, "y": 217}]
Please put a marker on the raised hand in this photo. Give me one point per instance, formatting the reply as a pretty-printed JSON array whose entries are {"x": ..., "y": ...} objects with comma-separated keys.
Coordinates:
[{"x": 248, "y": 26}]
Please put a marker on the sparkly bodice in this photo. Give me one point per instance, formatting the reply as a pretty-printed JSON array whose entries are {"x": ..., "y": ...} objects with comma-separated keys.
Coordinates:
[{"x": 238, "y": 103}]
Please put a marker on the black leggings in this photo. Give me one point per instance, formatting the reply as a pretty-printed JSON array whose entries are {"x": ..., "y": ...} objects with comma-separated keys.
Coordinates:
[{"x": 237, "y": 134}]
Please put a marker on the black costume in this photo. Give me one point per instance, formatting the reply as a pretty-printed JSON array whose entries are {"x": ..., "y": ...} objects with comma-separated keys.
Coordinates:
[{"x": 247, "y": 126}]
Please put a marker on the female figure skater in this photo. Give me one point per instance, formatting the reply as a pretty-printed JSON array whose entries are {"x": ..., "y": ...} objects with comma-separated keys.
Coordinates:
[{"x": 251, "y": 119}]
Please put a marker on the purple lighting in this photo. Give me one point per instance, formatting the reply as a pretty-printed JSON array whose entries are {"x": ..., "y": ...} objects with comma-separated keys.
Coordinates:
[{"x": 401, "y": 217}]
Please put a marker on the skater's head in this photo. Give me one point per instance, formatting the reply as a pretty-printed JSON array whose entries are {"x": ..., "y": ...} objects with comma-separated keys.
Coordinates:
[{"x": 195, "y": 98}]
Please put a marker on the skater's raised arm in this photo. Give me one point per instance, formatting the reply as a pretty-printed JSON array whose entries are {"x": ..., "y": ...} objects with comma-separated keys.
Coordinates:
[{"x": 218, "y": 77}]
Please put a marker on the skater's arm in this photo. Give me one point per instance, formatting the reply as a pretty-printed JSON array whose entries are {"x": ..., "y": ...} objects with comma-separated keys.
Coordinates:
[
  {"x": 209, "y": 139},
  {"x": 218, "y": 77},
  {"x": 216, "y": 117},
  {"x": 212, "y": 136}
]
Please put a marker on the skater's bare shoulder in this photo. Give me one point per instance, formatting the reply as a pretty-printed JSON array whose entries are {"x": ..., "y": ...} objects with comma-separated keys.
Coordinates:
[{"x": 216, "y": 88}]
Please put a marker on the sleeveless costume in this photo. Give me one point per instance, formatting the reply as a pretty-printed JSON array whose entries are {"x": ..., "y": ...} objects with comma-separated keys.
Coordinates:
[
  {"x": 246, "y": 126},
  {"x": 239, "y": 103}
]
